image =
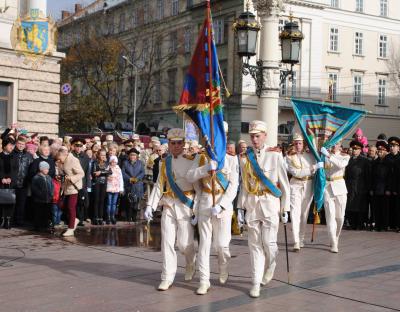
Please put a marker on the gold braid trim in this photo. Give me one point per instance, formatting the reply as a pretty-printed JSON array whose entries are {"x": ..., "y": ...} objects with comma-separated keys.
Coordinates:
[
  {"x": 294, "y": 163},
  {"x": 249, "y": 173},
  {"x": 163, "y": 178}
]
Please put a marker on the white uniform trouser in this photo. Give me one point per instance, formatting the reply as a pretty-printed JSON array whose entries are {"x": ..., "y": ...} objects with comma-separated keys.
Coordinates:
[
  {"x": 335, "y": 207},
  {"x": 218, "y": 231},
  {"x": 262, "y": 237},
  {"x": 300, "y": 200},
  {"x": 181, "y": 231}
]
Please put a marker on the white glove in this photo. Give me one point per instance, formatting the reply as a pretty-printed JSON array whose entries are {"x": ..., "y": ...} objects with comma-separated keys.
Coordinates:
[
  {"x": 284, "y": 217},
  {"x": 148, "y": 214},
  {"x": 325, "y": 151},
  {"x": 240, "y": 216},
  {"x": 320, "y": 164},
  {"x": 216, "y": 210},
  {"x": 194, "y": 220},
  {"x": 89, "y": 189},
  {"x": 212, "y": 165}
]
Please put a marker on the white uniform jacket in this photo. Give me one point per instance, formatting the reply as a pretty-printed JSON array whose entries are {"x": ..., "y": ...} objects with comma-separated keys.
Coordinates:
[
  {"x": 334, "y": 168},
  {"x": 253, "y": 195},
  {"x": 162, "y": 194},
  {"x": 301, "y": 167},
  {"x": 199, "y": 171}
]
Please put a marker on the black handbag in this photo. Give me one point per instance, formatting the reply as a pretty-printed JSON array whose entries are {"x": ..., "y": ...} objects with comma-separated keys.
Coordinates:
[{"x": 7, "y": 196}]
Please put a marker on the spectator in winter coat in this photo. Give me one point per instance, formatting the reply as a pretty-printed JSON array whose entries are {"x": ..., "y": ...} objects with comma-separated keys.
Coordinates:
[
  {"x": 115, "y": 185},
  {"x": 42, "y": 195}
]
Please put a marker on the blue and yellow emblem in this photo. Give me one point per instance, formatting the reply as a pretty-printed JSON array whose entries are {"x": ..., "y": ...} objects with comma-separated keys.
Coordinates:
[{"x": 34, "y": 36}]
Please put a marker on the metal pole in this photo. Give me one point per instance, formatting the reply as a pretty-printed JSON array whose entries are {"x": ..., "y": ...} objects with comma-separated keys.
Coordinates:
[{"x": 134, "y": 102}]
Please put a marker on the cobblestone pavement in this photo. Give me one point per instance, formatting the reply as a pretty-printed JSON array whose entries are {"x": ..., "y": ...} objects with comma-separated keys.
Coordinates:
[{"x": 118, "y": 269}]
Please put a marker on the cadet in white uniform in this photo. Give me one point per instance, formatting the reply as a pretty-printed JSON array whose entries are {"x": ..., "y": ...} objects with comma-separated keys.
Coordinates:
[
  {"x": 302, "y": 166},
  {"x": 176, "y": 215},
  {"x": 214, "y": 221},
  {"x": 263, "y": 209},
  {"x": 335, "y": 196}
]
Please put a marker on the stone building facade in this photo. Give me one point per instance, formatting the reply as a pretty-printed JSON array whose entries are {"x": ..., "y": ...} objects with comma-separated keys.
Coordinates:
[
  {"x": 343, "y": 45},
  {"x": 29, "y": 95}
]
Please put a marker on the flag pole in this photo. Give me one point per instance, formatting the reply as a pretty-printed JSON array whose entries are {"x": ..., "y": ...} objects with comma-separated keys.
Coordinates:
[{"x": 210, "y": 88}]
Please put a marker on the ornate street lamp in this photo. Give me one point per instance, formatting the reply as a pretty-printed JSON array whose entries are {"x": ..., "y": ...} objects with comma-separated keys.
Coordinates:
[
  {"x": 291, "y": 38},
  {"x": 246, "y": 27}
]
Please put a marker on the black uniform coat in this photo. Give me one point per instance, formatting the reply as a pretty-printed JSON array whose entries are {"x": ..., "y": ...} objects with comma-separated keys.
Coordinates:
[{"x": 357, "y": 177}]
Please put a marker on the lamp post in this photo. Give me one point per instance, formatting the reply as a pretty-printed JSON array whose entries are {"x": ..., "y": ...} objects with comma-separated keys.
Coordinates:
[
  {"x": 267, "y": 71},
  {"x": 136, "y": 66}
]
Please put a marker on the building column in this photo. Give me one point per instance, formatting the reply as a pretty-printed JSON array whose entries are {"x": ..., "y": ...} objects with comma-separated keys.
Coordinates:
[
  {"x": 269, "y": 53},
  {"x": 38, "y": 4}
]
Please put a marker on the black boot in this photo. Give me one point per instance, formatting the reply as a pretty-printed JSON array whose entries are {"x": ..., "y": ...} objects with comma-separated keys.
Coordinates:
[
  {"x": 108, "y": 220},
  {"x": 7, "y": 224},
  {"x": 1, "y": 222},
  {"x": 113, "y": 221}
]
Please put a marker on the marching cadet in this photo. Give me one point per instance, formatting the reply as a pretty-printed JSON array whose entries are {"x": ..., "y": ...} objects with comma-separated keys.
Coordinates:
[
  {"x": 301, "y": 165},
  {"x": 178, "y": 197},
  {"x": 335, "y": 196},
  {"x": 265, "y": 195},
  {"x": 214, "y": 221}
]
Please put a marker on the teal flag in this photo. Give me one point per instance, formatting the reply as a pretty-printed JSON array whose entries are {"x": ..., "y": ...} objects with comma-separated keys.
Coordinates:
[{"x": 324, "y": 124}]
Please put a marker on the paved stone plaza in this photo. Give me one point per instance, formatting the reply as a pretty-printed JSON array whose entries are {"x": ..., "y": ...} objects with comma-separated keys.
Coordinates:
[{"x": 118, "y": 269}]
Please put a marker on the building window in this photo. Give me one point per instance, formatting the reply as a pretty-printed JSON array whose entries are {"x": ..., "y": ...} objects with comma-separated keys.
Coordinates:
[
  {"x": 360, "y": 6},
  {"x": 121, "y": 26},
  {"x": 289, "y": 86},
  {"x": 358, "y": 47},
  {"x": 110, "y": 26},
  {"x": 157, "y": 89},
  {"x": 334, "y": 3},
  {"x": 382, "y": 46},
  {"x": 175, "y": 7},
  {"x": 145, "y": 50},
  {"x": 189, "y": 4},
  {"x": 173, "y": 41},
  {"x": 172, "y": 86},
  {"x": 158, "y": 51},
  {"x": 188, "y": 39},
  {"x": 4, "y": 103},
  {"x": 382, "y": 92},
  {"x": 334, "y": 39},
  {"x": 134, "y": 19},
  {"x": 357, "y": 89},
  {"x": 160, "y": 9},
  {"x": 146, "y": 18},
  {"x": 384, "y": 7},
  {"x": 218, "y": 28},
  {"x": 332, "y": 86}
]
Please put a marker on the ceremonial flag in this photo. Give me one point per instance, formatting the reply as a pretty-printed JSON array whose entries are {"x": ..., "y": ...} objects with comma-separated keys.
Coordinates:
[
  {"x": 203, "y": 107},
  {"x": 324, "y": 124}
]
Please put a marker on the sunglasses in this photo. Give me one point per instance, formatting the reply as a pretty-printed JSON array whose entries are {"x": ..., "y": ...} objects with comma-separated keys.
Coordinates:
[
  {"x": 129, "y": 145},
  {"x": 78, "y": 145}
]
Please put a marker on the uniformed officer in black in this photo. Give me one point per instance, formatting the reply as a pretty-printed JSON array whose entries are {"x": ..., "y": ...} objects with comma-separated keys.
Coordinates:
[
  {"x": 394, "y": 206},
  {"x": 380, "y": 186},
  {"x": 357, "y": 182}
]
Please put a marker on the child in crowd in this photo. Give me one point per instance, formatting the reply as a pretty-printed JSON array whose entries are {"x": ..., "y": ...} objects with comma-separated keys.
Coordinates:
[
  {"x": 42, "y": 195},
  {"x": 115, "y": 185}
]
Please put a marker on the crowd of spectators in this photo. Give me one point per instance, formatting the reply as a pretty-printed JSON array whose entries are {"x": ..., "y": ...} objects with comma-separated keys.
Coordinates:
[{"x": 70, "y": 182}]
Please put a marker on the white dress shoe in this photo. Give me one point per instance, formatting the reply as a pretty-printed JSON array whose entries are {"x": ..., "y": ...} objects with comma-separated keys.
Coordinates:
[
  {"x": 203, "y": 288},
  {"x": 296, "y": 247},
  {"x": 302, "y": 244},
  {"x": 223, "y": 277},
  {"x": 189, "y": 273},
  {"x": 69, "y": 232},
  {"x": 334, "y": 248},
  {"x": 164, "y": 285},
  {"x": 268, "y": 274},
  {"x": 255, "y": 291}
]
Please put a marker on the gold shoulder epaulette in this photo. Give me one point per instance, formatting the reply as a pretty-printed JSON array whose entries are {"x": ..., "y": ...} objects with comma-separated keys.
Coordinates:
[
  {"x": 274, "y": 149},
  {"x": 189, "y": 157}
]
